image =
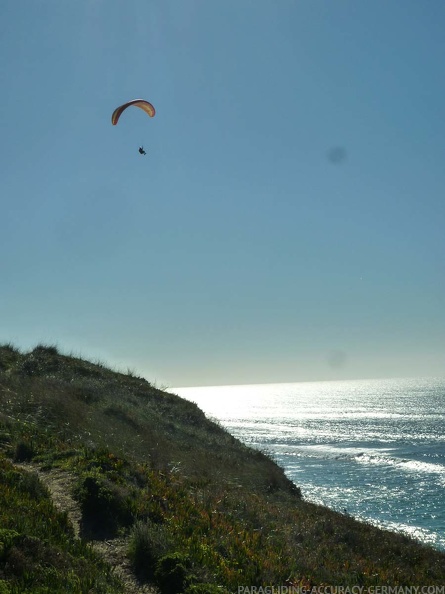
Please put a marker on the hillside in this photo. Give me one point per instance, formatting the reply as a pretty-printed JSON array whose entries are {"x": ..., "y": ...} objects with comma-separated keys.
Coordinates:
[{"x": 183, "y": 505}]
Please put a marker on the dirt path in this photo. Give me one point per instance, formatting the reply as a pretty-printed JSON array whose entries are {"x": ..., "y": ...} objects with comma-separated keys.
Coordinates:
[{"x": 114, "y": 551}]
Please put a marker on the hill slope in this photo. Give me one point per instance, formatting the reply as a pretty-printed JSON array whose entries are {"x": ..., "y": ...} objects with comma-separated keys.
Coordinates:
[{"x": 197, "y": 510}]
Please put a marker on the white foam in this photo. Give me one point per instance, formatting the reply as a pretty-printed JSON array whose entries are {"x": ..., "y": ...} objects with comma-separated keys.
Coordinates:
[{"x": 408, "y": 465}]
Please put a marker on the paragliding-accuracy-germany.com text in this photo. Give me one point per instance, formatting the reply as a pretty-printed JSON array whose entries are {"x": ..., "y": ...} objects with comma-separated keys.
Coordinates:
[{"x": 385, "y": 589}]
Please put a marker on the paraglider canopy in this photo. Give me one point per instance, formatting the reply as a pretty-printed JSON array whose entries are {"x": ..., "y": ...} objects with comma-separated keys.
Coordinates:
[{"x": 141, "y": 103}]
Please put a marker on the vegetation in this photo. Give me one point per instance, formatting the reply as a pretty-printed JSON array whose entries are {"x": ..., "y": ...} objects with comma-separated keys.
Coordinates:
[
  {"x": 37, "y": 550},
  {"x": 200, "y": 512}
]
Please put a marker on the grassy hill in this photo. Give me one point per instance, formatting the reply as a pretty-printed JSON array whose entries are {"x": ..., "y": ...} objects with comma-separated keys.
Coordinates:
[{"x": 192, "y": 509}]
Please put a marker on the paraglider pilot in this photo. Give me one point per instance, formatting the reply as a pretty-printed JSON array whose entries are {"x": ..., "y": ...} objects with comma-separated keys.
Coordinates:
[{"x": 141, "y": 151}]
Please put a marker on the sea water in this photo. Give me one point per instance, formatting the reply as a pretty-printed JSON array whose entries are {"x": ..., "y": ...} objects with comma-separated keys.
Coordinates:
[{"x": 374, "y": 449}]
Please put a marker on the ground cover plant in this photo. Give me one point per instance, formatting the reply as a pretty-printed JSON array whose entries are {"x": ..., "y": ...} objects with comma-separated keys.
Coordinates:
[
  {"x": 37, "y": 550},
  {"x": 199, "y": 511}
]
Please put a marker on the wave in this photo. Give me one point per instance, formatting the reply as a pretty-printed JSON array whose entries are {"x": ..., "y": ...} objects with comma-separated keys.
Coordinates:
[
  {"x": 401, "y": 463},
  {"x": 366, "y": 457}
]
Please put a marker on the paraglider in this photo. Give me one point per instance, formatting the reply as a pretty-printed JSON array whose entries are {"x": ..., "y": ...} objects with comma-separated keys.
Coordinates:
[{"x": 142, "y": 104}]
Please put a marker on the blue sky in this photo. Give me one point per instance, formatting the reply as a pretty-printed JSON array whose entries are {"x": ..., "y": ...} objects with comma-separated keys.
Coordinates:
[{"x": 239, "y": 250}]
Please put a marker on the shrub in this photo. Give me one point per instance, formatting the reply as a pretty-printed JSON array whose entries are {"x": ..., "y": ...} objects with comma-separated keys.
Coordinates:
[
  {"x": 46, "y": 349},
  {"x": 29, "y": 482},
  {"x": 105, "y": 506},
  {"x": 8, "y": 356},
  {"x": 24, "y": 451},
  {"x": 7, "y": 538},
  {"x": 171, "y": 573},
  {"x": 42, "y": 360},
  {"x": 148, "y": 543},
  {"x": 30, "y": 366}
]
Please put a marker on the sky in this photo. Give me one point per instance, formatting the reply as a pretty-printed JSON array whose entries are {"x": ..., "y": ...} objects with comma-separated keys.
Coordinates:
[{"x": 287, "y": 223}]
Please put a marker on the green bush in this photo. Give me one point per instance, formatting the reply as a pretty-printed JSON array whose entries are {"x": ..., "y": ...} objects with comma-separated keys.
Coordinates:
[
  {"x": 29, "y": 483},
  {"x": 49, "y": 350},
  {"x": 8, "y": 357},
  {"x": 171, "y": 573},
  {"x": 42, "y": 360},
  {"x": 30, "y": 366},
  {"x": 7, "y": 538},
  {"x": 148, "y": 543},
  {"x": 105, "y": 506},
  {"x": 24, "y": 451}
]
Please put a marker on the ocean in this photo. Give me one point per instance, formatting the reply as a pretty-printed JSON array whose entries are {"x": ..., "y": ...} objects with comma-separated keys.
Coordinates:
[{"x": 374, "y": 449}]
